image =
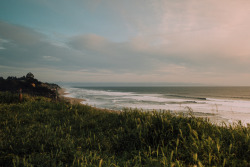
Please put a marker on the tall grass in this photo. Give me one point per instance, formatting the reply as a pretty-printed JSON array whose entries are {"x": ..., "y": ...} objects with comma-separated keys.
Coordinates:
[{"x": 39, "y": 132}]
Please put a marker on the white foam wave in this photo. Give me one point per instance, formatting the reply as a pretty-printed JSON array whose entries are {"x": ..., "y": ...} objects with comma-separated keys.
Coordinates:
[{"x": 225, "y": 108}]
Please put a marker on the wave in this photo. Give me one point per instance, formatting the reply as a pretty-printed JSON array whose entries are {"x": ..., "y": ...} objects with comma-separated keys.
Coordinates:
[
  {"x": 118, "y": 100},
  {"x": 188, "y": 97},
  {"x": 240, "y": 97},
  {"x": 108, "y": 98},
  {"x": 183, "y": 102}
]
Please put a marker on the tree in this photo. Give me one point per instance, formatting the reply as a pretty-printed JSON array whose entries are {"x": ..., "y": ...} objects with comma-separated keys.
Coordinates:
[{"x": 30, "y": 76}]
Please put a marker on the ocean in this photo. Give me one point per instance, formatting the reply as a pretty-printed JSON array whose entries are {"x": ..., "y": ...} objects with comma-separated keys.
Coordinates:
[{"x": 227, "y": 104}]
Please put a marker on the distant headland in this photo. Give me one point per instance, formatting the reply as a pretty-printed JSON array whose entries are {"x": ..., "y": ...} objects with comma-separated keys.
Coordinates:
[{"x": 29, "y": 85}]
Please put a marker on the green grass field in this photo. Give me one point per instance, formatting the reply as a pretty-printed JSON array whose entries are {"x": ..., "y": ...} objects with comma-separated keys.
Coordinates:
[{"x": 40, "y": 132}]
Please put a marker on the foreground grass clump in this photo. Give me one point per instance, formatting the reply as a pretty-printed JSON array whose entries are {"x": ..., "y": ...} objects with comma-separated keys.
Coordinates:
[{"x": 39, "y": 132}]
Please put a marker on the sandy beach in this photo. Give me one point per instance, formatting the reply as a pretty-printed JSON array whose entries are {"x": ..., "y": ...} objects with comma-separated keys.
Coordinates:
[
  {"x": 62, "y": 92},
  {"x": 62, "y": 95}
]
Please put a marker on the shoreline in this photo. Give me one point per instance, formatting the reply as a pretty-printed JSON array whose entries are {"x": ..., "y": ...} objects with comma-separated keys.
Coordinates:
[
  {"x": 72, "y": 100},
  {"x": 214, "y": 118},
  {"x": 61, "y": 94}
]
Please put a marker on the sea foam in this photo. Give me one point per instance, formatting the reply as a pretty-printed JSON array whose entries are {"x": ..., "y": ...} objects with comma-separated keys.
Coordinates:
[{"x": 228, "y": 109}]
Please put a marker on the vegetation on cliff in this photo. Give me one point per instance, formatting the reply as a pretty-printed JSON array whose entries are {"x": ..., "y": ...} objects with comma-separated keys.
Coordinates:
[{"x": 29, "y": 85}]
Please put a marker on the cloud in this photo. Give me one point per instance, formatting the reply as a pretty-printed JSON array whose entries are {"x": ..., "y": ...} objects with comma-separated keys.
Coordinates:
[
  {"x": 2, "y": 43},
  {"x": 51, "y": 58},
  {"x": 170, "y": 41},
  {"x": 26, "y": 47},
  {"x": 101, "y": 53}
]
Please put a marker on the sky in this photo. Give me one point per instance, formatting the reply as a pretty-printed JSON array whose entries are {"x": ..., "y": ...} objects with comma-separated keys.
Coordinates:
[{"x": 144, "y": 41}]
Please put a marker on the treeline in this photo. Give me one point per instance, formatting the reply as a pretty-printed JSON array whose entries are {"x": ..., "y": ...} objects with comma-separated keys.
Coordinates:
[{"x": 28, "y": 85}]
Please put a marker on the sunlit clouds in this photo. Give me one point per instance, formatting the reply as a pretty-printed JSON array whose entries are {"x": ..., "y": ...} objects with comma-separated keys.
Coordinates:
[{"x": 202, "y": 42}]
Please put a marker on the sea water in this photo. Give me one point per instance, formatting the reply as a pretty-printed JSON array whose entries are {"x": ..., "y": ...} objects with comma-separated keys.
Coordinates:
[{"x": 229, "y": 104}]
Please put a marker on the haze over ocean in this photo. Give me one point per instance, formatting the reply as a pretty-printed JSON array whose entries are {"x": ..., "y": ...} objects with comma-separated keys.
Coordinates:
[{"x": 229, "y": 104}]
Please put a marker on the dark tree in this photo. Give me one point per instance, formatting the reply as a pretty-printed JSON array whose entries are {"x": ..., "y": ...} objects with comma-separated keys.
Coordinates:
[{"x": 30, "y": 76}]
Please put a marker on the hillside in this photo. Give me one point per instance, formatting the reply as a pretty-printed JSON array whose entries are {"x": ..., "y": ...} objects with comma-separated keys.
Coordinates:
[
  {"x": 29, "y": 85},
  {"x": 42, "y": 132}
]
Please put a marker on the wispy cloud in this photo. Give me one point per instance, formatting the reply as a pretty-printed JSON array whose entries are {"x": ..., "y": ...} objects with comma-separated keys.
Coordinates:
[{"x": 178, "y": 41}]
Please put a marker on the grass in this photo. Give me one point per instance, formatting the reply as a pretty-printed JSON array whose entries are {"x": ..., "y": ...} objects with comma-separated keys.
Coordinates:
[{"x": 40, "y": 132}]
